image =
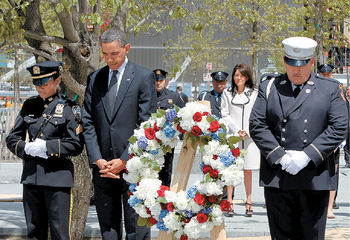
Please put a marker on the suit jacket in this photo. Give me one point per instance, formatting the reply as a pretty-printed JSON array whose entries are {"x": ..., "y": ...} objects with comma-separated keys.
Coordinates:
[
  {"x": 214, "y": 105},
  {"x": 315, "y": 122},
  {"x": 106, "y": 133},
  {"x": 167, "y": 99}
]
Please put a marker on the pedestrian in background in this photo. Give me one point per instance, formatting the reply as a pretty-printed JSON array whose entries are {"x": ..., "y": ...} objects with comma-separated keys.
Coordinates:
[
  {"x": 183, "y": 96},
  {"x": 347, "y": 144},
  {"x": 118, "y": 98},
  {"x": 237, "y": 103},
  {"x": 166, "y": 99},
  {"x": 297, "y": 121},
  {"x": 52, "y": 122},
  {"x": 326, "y": 71},
  {"x": 219, "y": 81}
]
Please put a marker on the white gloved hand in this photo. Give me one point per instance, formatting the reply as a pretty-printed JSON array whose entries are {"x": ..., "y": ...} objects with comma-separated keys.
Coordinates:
[
  {"x": 28, "y": 148},
  {"x": 39, "y": 149},
  {"x": 285, "y": 161},
  {"x": 299, "y": 160}
]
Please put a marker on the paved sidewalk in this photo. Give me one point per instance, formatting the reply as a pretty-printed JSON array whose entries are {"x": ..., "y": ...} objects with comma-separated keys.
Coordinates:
[{"x": 12, "y": 223}]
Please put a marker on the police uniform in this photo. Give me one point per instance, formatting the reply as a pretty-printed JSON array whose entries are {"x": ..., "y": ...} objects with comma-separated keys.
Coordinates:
[
  {"x": 212, "y": 96},
  {"x": 54, "y": 134},
  {"x": 296, "y": 131},
  {"x": 166, "y": 99}
]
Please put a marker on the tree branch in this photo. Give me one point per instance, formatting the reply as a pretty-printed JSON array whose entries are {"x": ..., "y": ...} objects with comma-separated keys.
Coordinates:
[
  {"x": 120, "y": 17},
  {"x": 50, "y": 39},
  {"x": 131, "y": 29},
  {"x": 34, "y": 51},
  {"x": 72, "y": 84},
  {"x": 66, "y": 21}
]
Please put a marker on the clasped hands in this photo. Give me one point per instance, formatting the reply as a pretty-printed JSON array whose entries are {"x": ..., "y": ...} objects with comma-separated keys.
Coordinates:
[
  {"x": 36, "y": 148},
  {"x": 294, "y": 161},
  {"x": 112, "y": 168}
]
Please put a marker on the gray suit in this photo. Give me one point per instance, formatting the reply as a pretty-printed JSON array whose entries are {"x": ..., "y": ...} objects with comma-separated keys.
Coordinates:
[{"x": 106, "y": 135}]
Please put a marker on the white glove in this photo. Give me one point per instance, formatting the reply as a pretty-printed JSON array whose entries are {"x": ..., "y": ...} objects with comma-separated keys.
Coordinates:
[
  {"x": 285, "y": 161},
  {"x": 299, "y": 160},
  {"x": 28, "y": 148},
  {"x": 38, "y": 148}
]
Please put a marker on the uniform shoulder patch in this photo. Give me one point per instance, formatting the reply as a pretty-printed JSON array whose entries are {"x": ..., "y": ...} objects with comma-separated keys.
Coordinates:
[
  {"x": 79, "y": 129},
  {"x": 77, "y": 112}
]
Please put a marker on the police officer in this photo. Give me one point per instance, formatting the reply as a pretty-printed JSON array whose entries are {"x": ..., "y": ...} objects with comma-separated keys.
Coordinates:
[
  {"x": 297, "y": 121},
  {"x": 52, "y": 122},
  {"x": 166, "y": 99},
  {"x": 214, "y": 96}
]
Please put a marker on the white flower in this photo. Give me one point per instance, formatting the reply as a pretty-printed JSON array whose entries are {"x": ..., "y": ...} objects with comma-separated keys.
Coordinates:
[
  {"x": 141, "y": 210},
  {"x": 147, "y": 187},
  {"x": 181, "y": 201},
  {"x": 211, "y": 188},
  {"x": 172, "y": 222},
  {"x": 192, "y": 229}
]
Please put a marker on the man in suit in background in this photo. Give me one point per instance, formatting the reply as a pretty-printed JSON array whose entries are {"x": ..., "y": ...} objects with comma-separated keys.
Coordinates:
[
  {"x": 183, "y": 96},
  {"x": 298, "y": 119},
  {"x": 118, "y": 98}
]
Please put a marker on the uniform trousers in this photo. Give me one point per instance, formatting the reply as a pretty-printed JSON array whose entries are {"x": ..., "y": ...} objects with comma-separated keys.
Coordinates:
[
  {"x": 47, "y": 206},
  {"x": 165, "y": 173},
  {"x": 111, "y": 199},
  {"x": 296, "y": 214}
]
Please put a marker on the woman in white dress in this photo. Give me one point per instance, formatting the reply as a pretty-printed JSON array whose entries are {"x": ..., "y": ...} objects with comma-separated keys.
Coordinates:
[{"x": 237, "y": 103}]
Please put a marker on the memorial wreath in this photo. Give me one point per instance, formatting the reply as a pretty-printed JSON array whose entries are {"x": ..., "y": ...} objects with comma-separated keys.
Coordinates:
[{"x": 199, "y": 209}]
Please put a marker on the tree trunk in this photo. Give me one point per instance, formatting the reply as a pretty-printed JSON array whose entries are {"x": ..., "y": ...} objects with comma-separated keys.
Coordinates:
[{"x": 319, "y": 31}]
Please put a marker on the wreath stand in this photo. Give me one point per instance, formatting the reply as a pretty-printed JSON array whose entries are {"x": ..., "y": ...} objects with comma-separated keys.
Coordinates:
[{"x": 179, "y": 183}]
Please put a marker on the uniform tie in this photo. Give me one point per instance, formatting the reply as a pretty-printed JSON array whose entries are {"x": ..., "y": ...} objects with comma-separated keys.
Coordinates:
[
  {"x": 218, "y": 99},
  {"x": 112, "y": 90},
  {"x": 296, "y": 91}
]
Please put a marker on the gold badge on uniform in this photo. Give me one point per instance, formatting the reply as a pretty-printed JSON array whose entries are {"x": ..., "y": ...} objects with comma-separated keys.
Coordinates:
[
  {"x": 341, "y": 90},
  {"x": 36, "y": 70},
  {"x": 79, "y": 129},
  {"x": 59, "y": 110},
  {"x": 170, "y": 101}
]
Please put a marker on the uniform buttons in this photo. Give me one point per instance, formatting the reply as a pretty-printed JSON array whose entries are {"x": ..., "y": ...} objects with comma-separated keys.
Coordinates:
[
  {"x": 305, "y": 131},
  {"x": 284, "y": 120},
  {"x": 305, "y": 121},
  {"x": 44, "y": 115},
  {"x": 283, "y": 129},
  {"x": 41, "y": 134},
  {"x": 305, "y": 141},
  {"x": 45, "y": 106},
  {"x": 55, "y": 122},
  {"x": 56, "y": 155},
  {"x": 51, "y": 154},
  {"x": 283, "y": 139}
]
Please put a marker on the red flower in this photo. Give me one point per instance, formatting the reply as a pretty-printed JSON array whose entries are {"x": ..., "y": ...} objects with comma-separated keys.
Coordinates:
[
  {"x": 183, "y": 237},
  {"x": 214, "y": 173},
  {"x": 225, "y": 205},
  {"x": 155, "y": 127},
  {"x": 202, "y": 218},
  {"x": 212, "y": 198},
  {"x": 152, "y": 220},
  {"x": 199, "y": 199},
  {"x": 197, "y": 117},
  {"x": 131, "y": 156},
  {"x": 158, "y": 140},
  {"x": 196, "y": 131},
  {"x": 164, "y": 188},
  {"x": 178, "y": 127},
  {"x": 214, "y": 126},
  {"x": 205, "y": 114},
  {"x": 215, "y": 157},
  {"x": 161, "y": 193},
  {"x": 206, "y": 169},
  {"x": 236, "y": 152},
  {"x": 170, "y": 207},
  {"x": 148, "y": 211},
  {"x": 150, "y": 133},
  {"x": 129, "y": 193},
  {"x": 185, "y": 220}
]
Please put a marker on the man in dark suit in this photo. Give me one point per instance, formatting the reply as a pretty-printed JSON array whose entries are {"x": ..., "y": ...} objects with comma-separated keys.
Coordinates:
[
  {"x": 214, "y": 96},
  {"x": 118, "y": 98},
  {"x": 298, "y": 119},
  {"x": 166, "y": 99},
  {"x": 183, "y": 96}
]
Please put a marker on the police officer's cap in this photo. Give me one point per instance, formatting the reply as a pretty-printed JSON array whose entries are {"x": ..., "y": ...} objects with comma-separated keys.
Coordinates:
[
  {"x": 298, "y": 50},
  {"x": 160, "y": 74},
  {"x": 219, "y": 76},
  {"x": 44, "y": 71},
  {"x": 325, "y": 68}
]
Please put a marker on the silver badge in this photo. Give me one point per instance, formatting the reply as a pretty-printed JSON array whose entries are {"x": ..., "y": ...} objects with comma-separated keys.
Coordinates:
[
  {"x": 310, "y": 83},
  {"x": 59, "y": 110},
  {"x": 307, "y": 90}
]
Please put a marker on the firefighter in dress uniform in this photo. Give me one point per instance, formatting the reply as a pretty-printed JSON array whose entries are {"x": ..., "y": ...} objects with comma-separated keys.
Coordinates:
[
  {"x": 166, "y": 99},
  {"x": 214, "y": 96},
  {"x": 52, "y": 122}
]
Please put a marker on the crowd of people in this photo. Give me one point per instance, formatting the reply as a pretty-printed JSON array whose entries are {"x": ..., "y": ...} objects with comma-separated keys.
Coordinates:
[{"x": 291, "y": 126}]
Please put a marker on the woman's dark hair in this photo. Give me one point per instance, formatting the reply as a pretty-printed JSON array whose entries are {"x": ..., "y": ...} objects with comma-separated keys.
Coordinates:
[{"x": 245, "y": 70}]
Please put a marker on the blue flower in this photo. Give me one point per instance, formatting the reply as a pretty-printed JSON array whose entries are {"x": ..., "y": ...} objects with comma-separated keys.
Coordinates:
[
  {"x": 215, "y": 136},
  {"x": 161, "y": 226},
  {"x": 163, "y": 213},
  {"x": 168, "y": 130},
  {"x": 171, "y": 114},
  {"x": 201, "y": 165},
  {"x": 227, "y": 159},
  {"x": 133, "y": 201},
  {"x": 132, "y": 187},
  {"x": 154, "y": 152},
  {"x": 191, "y": 192},
  {"x": 189, "y": 214},
  {"x": 142, "y": 142},
  {"x": 208, "y": 210}
]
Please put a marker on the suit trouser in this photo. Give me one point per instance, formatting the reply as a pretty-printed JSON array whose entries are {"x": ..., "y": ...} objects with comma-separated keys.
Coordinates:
[
  {"x": 296, "y": 214},
  {"x": 166, "y": 171},
  {"x": 44, "y": 206},
  {"x": 346, "y": 149},
  {"x": 111, "y": 199}
]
